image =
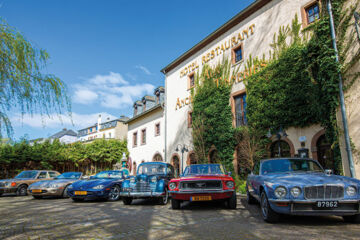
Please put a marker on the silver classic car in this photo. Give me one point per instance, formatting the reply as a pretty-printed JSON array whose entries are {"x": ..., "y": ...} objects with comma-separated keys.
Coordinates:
[
  {"x": 298, "y": 186},
  {"x": 56, "y": 187}
]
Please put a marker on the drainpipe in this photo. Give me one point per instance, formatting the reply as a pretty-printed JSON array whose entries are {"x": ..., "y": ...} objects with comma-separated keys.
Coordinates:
[{"x": 342, "y": 101}]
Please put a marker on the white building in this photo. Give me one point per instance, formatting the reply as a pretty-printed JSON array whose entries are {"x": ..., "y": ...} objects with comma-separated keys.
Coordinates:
[
  {"x": 146, "y": 130},
  {"x": 66, "y": 136},
  {"x": 111, "y": 129},
  {"x": 248, "y": 33}
]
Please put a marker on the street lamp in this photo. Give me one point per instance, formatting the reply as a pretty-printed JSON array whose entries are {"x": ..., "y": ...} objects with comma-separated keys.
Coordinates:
[
  {"x": 183, "y": 148},
  {"x": 280, "y": 133}
]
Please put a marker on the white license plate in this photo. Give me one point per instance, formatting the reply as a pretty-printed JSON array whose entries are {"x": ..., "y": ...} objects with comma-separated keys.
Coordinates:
[{"x": 327, "y": 204}]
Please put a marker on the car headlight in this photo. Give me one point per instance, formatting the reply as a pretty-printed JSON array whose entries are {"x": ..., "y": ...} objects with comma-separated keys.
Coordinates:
[
  {"x": 132, "y": 180},
  {"x": 7, "y": 184},
  {"x": 172, "y": 185},
  {"x": 295, "y": 192},
  {"x": 280, "y": 192},
  {"x": 99, "y": 187},
  {"x": 153, "y": 179},
  {"x": 230, "y": 184},
  {"x": 351, "y": 191}
]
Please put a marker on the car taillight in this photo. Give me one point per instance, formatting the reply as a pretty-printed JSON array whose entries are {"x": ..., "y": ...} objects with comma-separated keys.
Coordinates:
[{"x": 13, "y": 184}]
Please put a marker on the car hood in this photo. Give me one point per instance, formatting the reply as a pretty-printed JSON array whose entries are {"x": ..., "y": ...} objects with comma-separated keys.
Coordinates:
[
  {"x": 46, "y": 183},
  {"x": 307, "y": 179},
  {"x": 85, "y": 184},
  {"x": 205, "y": 177}
]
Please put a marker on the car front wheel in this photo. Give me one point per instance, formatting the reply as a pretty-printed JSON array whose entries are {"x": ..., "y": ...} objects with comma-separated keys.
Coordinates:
[
  {"x": 175, "y": 204},
  {"x": 165, "y": 199},
  {"x": 231, "y": 202},
  {"x": 22, "y": 190},
  {"x": 127, "y": 200},
  {"x": 352, "y": 218},
  {"x": 114, "y": 194},
  {"x": 65, "y": 193},
  {"x": 267, "y": 213}
]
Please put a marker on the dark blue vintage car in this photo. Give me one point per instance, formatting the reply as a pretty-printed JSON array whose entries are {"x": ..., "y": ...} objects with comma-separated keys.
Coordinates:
[
  {"x": 104, "y": 185},
  {"x": 300, "y": 186},
  {"x": 151, "y": 181}
]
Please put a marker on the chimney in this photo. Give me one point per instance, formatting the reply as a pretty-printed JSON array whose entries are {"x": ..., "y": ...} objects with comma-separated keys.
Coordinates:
[{"x": 99, "y": 123}]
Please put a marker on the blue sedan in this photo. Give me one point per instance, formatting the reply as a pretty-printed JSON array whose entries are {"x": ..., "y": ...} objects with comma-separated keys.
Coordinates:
[
  {"x": 104, "y": 185},
  {"x": 299, "y": 186}
]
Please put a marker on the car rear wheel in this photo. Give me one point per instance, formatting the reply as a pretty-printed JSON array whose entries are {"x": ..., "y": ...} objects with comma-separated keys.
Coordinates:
[
  {"x": 37, "y": 197},
  {"x": 231, "y": 202},
  {"x": 65, "y": 194},
  {"x": 352, "y": 218},
  {"x": 250, "y": 199},
  {"x": 127, "y": 200},
  {"x": 22, "y": 190},
  {"x": 267, "y": 213},
  {"x": 165, "y": 199},
  {"x": 114, "y": 194},
  {"x": 175, "y": 204}
]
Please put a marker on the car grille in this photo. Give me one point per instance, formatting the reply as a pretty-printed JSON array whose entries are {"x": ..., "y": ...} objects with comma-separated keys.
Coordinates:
[
  {"x": 190, "y": 185},
  {"x": 142, "y": 187},
  {"x": 2, "y": 184},
  {"x": 324, "y": 192}
]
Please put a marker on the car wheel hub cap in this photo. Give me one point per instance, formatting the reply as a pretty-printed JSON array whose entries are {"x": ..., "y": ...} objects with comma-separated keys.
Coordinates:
[
  {"x": 114, "y": 193},
  {"x": 264, "y": 207}
]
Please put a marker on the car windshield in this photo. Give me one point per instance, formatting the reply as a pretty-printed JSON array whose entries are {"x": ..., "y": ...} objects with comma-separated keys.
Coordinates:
[
  {"x": 152, "y": 169},
  {"x": 27, "y": 174},
  {"x": 69, "y": 175},
  {"x": 109, "y": 174},
  {"x": 290, "y": 165},
  {"x": 204, "y": 169}
]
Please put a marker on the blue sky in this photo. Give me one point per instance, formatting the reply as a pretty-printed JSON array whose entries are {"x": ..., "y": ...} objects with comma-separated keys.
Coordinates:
[{"x": 109, "y": 53}]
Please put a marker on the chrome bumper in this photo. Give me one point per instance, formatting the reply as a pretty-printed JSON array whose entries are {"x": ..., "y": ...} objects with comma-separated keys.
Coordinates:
[
  {"x": 46, "y": 192},
  {"x": 142, "y": 194}
]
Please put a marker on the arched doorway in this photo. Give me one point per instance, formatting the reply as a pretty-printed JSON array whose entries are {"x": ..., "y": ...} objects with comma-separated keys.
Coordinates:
[
  {"x": 280, "y": 148},
  {"x": 213, "y": 157},
  {"x": 324, "y": 153},
  {"x": 175, "y": 161},
  {"x": 192, "y": 158},
  {"x": 157, "y": 158},
  {"x": 134, "y": 168}
]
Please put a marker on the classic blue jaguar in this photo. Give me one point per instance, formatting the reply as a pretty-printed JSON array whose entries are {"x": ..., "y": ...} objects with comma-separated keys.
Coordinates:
[
  {"x": 151, "y": 181},
  {"x": 300, "y": 186},
  {"x": 104, "y": 185}
]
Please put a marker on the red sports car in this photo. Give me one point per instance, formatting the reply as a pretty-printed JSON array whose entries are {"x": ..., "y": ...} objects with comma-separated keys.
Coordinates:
[{"x": 203, "y": 182}]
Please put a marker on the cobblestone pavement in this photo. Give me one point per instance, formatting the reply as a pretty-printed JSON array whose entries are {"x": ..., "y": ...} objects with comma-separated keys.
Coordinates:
[{"x": 27, "y": 218}]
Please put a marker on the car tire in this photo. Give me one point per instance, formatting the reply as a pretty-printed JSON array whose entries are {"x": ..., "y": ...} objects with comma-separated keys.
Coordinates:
[
  {"x": 352, "y": 218},
  {"x": 37, "y": 197},
  {"x": 175, "y": 204},
  {"x": 250, "y": 199},
  {"x": 165, "y": 199},
  {"x": 22, "y": 190},
  {"x": 114, "y": 194},
  {"x": 232, "y": 202},
  {"x": 78, "y": 199},
  {"x": 127, "y": 200},
  {"x": 65, "y": 194},
  {"x": 267, "y": 213}
]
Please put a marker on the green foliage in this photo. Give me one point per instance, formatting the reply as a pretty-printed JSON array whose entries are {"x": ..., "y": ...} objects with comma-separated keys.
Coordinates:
[
  {"x": 98, "y": 155},
  {"x": 212, "y": 118},
  {"x": 23, "y": 85},
  {"x": 240, "y": 185}
]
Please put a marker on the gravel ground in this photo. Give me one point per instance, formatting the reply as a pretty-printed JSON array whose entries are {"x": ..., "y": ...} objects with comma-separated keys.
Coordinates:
[{"x": 27, "y": 218}]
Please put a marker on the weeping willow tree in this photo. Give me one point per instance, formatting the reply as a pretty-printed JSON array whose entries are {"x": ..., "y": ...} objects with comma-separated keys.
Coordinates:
[{"x": 23, "y": 85}]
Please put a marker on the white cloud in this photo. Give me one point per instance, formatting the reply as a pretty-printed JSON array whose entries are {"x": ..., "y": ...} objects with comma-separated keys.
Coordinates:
[
  {"x": 76, "y": 122},
  {"x": 144, "y": 69},
  {"x": 85, "y": 96},
  {"x": 110, "y": 91}
]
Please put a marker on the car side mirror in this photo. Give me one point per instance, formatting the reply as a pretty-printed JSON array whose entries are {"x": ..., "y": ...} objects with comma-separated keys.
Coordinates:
[{"x": 328, "y": 171}]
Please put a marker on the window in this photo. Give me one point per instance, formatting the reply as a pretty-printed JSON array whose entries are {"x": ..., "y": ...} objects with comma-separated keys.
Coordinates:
[
  {"x": 189, "y": 119},
  {"x": 240, "y": 110},
  {"x": 157, "y": 129},
  {"x": 90, "y": 129},
  {"x": 280, "y": 148},
  {"x": 237, "y": 54},
  {"x": 53, "y": 174},
  {"x": 312, "y": 13},
  {"x": 110, "y": 135},
  {"x": 143, "y": 136},
  {"x": 42, "y": 175},
  {"x": 134, "y": 139},
  {"x": 191, "y": 80}
]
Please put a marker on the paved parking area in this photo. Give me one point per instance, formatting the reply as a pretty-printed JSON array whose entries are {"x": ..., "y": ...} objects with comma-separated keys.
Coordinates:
[{"x": 27, "y": 218}]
